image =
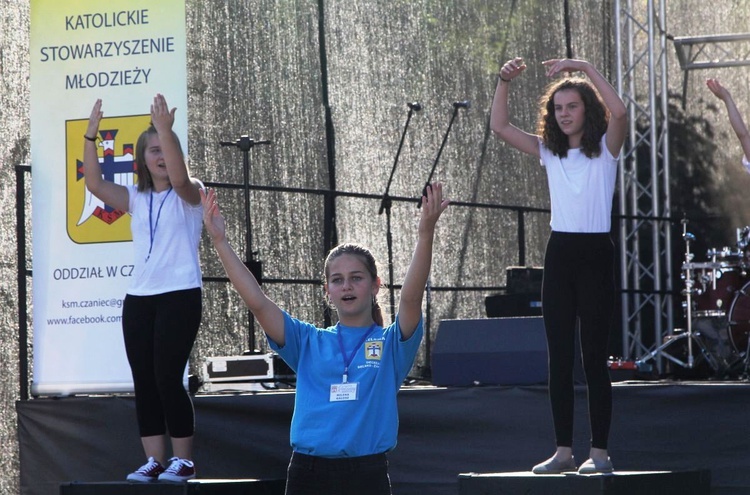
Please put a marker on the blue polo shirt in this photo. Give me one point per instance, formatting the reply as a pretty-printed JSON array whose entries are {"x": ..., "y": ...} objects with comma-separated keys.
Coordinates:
[{"x": 368, "y": 425}]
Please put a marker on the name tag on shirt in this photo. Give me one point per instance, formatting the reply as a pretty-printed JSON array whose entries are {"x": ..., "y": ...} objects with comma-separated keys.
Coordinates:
[{"x": 344, "y": 391}]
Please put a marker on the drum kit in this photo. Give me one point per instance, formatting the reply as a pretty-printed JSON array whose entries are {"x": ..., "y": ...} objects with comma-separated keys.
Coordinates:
[{"x": 716, "y": 309}]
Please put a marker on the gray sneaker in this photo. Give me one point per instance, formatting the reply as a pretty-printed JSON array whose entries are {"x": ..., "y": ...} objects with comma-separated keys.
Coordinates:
[
  {"x": 593, "y": 467},
  {"x": 553, "y": 466}
]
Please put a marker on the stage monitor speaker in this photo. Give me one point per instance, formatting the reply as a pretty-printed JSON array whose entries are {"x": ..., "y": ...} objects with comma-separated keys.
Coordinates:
[{"x": 492, "y": 351}]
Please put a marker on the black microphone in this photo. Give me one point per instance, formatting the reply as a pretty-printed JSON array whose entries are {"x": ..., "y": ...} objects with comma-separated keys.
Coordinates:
[
  {"x": 462, "y": 104},
  {"x": 414, "y": 105}
]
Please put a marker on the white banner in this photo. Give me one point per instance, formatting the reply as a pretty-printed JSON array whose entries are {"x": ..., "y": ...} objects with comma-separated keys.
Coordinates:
[{"x": 124, "y": 52}]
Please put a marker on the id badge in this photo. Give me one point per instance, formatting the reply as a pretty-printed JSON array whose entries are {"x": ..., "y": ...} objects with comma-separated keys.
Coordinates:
[{"x": 344, "y": 391}]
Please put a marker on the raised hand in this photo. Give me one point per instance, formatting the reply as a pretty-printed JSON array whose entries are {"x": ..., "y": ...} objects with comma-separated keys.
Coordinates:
[
  {"x": 717, "y": 89},
  {"x": 556, "y": 65},
  {"x": 212, "y": 218},
  {"x": 161, "y": 116},
  {"x": 94, "y": 119},
  {"x": 512, "y": 68},
  {"x": 433, "y": 205}
]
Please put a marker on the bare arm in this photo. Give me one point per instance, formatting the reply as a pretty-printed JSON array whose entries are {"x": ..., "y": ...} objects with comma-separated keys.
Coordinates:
[
  {"x": 500, "y": 115},
  {"x": 735, "y": 118},
  {"x": 617, "y": 128},
  {"x": 410, "y": 304},
  {"x": 179, "y": 177},
  {"x": 269, "y": 315},
  {"x": 112, "y": 194}
]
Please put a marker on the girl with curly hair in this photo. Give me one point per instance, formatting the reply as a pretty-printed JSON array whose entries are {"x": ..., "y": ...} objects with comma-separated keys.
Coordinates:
[{"x": 581, "y": 128}]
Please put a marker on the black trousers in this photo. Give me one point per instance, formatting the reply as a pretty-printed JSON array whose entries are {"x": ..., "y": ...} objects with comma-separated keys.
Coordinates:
[
  {"x": 311, "y": 475},
  {"x": 159, "y": 333},
  {"x": 578, "y": 287}
]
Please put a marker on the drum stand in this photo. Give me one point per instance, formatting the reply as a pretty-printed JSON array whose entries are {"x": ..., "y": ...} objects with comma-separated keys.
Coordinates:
[
  {"x": 743, "y": 243},
  {"x": 745, "y": 371},
  {"x": 688, "y": 333}
]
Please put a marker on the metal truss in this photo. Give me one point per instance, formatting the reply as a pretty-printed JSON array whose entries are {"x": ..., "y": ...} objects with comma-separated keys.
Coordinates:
[
  {"x": 644, "y": 199},
  {"x": 710, "y": 52}
]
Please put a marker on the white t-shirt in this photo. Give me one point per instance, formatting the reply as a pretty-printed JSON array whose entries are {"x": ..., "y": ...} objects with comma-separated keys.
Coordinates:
[
  {"x": 581, "y": 189},
  {"x": 171, "y": 233}
]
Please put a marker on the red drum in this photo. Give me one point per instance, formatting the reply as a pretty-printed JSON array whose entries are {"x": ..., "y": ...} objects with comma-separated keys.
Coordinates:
[
  {"x": 715, "y": 285},
  {"x": 739, "y": 319}
]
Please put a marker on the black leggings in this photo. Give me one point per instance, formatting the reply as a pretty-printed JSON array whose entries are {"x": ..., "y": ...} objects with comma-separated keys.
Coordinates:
[
  {"x": 578, "y": 285},
  {"x": 159, "y": 333}
]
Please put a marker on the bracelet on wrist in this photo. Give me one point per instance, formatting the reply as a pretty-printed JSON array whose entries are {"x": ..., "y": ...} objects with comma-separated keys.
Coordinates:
[
  {"x": 92, "y": 139},
  {"x": 499, "y": 76}
]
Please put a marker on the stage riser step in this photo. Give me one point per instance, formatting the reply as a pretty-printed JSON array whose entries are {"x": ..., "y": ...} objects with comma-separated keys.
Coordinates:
[
  {"x": 618, "y": 483},
  {"x": 193, "y": 487}
]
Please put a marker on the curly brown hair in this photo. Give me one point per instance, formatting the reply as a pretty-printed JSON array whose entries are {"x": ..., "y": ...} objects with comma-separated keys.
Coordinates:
[{"x": 594, "y": 127}]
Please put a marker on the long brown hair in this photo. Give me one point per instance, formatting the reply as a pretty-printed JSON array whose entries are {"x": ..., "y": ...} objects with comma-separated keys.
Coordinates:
[
  {"x": 594, "y": 126},
  {"x": 368, "y": 260},
  {"x": 144, "y": 176}
]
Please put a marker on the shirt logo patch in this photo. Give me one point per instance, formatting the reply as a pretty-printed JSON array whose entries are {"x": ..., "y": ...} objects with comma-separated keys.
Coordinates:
[{"x": 373, "y": 350}]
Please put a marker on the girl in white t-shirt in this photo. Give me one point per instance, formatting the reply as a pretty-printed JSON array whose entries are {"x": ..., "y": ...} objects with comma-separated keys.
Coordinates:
[
  {"x": 162, "y": 310},
  {"x": 582, "y": 126}
]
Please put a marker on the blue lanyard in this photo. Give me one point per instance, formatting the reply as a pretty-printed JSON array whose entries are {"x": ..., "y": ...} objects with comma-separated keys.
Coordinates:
[
  {"x": 152, "y": 226},
  {"x": 349, "y": 358}
]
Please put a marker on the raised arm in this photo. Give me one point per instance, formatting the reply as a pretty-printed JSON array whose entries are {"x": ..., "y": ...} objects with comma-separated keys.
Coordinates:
[
  {"x": 500, "y": 114},
  {"x": 163, "y": 118},
  {"x": 268, "y": 314},
  {"x": 735, "y": 118},
  {"x": 412, "y": 291},
  {"x": 112, "y": 194},
  {"x": 617, "y": 128}
]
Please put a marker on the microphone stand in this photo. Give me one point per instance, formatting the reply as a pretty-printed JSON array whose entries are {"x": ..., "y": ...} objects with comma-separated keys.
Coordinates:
[
  {"x": 456, "y": 106},
  {"x": 385, "y": 206},
  {"x": 245, "y": 144},
  {"x": 427, "y": 372}
]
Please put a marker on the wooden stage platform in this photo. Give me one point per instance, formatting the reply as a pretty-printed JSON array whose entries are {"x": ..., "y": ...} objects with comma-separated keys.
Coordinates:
[
  {"x": 619, "y": 483},
  {"x": 452, "y": 441},
  {"x": 193, "y": 487},
  {"x": 526, "y": 483}
]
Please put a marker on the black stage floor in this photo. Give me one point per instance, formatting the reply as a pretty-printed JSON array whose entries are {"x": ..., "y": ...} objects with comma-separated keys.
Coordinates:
[{"x": 657, "y": 426}]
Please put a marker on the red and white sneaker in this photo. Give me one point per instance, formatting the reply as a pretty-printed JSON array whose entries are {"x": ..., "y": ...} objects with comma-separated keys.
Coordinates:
[
  {"x": 148, "y": 472},
  {"x": 178, "y": 470}
]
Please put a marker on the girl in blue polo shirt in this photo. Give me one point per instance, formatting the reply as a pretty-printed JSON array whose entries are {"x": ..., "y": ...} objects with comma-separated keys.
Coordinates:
[{"x": 345, "y": 415}]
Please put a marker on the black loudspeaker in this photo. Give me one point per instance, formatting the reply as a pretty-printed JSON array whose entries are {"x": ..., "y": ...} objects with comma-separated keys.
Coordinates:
[
  {"x": 522, "y": 297},
  {"x": 493, "y": 351},
  {"x": 504, "y": 305},
  {"x": 524, "y": 279}
]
